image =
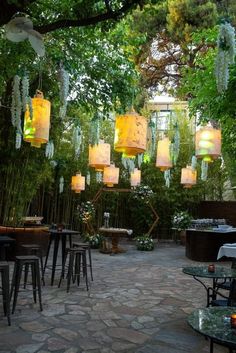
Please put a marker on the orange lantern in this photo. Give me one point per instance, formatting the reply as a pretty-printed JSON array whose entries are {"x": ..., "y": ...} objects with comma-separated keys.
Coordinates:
[
  {"x": 208, "y": 143},
  {"x": 163, "y": 159},
  {"x": 130, "y": 134},
  {"x": 99, "y": 156},
  {"x": 111, "y": 175},
  {"x": 188, "y": 176},
  {"x": 78, "y": 183},
  {"x": 36, "y": 130},
  {"x": 135, "y": 177}
]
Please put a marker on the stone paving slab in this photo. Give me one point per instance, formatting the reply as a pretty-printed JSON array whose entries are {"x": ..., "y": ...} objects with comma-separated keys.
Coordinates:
[{"x": 137, "y": 303}]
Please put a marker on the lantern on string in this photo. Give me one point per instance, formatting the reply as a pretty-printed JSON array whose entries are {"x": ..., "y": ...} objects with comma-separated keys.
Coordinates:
[
  {"x": 208, "y": 143},
  {"x": 130, "y": 134},
  {"x": 163, "y": 159},
  {"x": 78, "y": 183},
  {"x": 36, "y": 127},
  {"x": 135, "y": 177},
  {"x": 111, "y": 175},
  {"x": 188, "y": 177},
  {"x": 99, "y": 155}
]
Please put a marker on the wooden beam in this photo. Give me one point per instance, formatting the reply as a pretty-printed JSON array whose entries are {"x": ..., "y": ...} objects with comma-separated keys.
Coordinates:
[{"x": 116, "y": 190}]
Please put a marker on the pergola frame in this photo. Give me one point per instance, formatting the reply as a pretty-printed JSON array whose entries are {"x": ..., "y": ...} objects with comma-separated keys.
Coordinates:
[{"x": 103, "y": 189}]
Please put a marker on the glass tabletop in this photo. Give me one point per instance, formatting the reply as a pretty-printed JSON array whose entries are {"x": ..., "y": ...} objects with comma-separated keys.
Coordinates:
[
  {"x": 202, "y": 271},
  {"x": 214, "y": 322}
]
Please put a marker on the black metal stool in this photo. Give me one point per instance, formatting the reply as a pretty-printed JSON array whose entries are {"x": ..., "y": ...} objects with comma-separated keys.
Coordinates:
[
  {"x": 77, "y": 262},
  {"x": 21, "y": 261},
  {"x": 87, "y": 247},
  {"x": 34, "y": 249},
  {"x": 4, "y": 270}
]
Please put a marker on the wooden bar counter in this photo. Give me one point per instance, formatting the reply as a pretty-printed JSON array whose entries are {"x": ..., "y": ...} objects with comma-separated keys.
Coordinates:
[
  {"x": 203, "y": 245},
  {"x": 26, "y": 235}
]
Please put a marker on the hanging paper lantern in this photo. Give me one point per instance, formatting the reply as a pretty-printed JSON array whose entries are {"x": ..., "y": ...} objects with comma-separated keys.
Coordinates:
[
  {"x": 99, "y": 155},
  {"x": 36, "y": 127},
  {"x": 78, "y": 183},
  {"x": 135, "y": 177},
  {"x": 208, "y": 143},
  {"x": 130, "y": 134},
  {"x": 188, "y": 176},
  {"x": 111, "y": 175},
  {"x": 163, "y": 160}
]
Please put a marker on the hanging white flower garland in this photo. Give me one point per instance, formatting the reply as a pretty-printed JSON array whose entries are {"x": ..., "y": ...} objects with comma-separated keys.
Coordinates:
[
  {"x": 20, "y": 99},
  {"x": 194, "y": 162},
  {"x": 225, "y": 55},
  {"x": 204, "y": 170},
  {"x": 49, "y": 151},
  {"x": 61, "y": 185},
  {"x": 77, "y": 139},
  {"x": 64, "y": 82},
  {"x": 167, "y": 178}
]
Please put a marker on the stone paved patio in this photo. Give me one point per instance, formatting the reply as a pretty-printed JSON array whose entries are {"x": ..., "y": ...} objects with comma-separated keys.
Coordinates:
[{"x": 138, "y": 303}]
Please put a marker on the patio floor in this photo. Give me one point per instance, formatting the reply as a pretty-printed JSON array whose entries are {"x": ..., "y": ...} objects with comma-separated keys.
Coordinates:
[{"x": 137, "y": 303}]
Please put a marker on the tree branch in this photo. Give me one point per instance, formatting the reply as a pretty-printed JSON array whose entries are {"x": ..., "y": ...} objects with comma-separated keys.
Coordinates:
[{"x": 109, "y": 15}]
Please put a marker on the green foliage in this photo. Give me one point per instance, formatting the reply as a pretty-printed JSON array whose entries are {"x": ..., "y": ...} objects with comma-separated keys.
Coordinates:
[
  {"x": 181, "y": 220},
  {"x": 85, "y": 211},
  {"x": 95, "y": 240},
  {"x": 144, "y": 243}
]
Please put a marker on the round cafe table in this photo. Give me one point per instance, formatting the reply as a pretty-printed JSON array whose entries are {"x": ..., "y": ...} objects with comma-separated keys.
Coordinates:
[
  {"x": 202, "y": 272},
  {"x": 214, "y": 323},
  {"x": 115, "y": 234}
]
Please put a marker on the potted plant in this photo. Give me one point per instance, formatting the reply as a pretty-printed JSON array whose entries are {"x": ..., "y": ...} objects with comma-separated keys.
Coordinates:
[
  {"x": 181, "y": 221},
  {"x": 144, "y": 243},
  {"x": 94, "y": 240}
]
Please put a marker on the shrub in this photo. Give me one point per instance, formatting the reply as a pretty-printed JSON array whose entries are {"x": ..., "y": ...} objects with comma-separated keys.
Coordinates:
[{"x": 145, "y": 243}]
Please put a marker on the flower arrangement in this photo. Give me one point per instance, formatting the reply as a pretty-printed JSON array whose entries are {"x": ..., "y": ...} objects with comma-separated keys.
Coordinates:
[
  {"x": 142, "y": 192},
  {"x": 225, "y": 55},
  {"x": 85, "y": 211},
  {"x": 181, "y": 220},
  {"x": 144, "y": 243},
  {"x": 94, "y": 240}
]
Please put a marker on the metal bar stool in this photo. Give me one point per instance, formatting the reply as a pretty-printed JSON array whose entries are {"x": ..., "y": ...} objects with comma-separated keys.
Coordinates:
[
  {"x": 4, "y": 270},
  {"x": 87, "y": 247},
  {"x": 77, "y": 264},
  {"x": 21, "y": 262},
  {"x": 33, "y": 249}
]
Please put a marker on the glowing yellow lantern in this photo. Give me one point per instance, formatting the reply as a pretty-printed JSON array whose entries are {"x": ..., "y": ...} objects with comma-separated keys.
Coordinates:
[
  {"x": 36, "y": 130},
  {"x": 111, "y": 175},
  {"x": 163, "y": 159},
  {"x": 78, "y": 183},
  {"x": 188, "y": 176},
  {"x": 130, "y": 134},
  {"x": 208, "y": 143},
  {"x": 99, "y": 156},
  {"x": 135, "y": 177}
]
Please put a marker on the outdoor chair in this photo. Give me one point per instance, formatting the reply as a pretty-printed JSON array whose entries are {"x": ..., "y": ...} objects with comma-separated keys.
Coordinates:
[
  {"x": 225, "y": 284},
  {"x": 229, "y": 300},
  {"x": 33, "y": 249},
  {"x": 21, "y": 263},
  {"x": 87, "y": 247},
  {"x": 77, "y": 266},
  {"x": 4, "y": 271}
]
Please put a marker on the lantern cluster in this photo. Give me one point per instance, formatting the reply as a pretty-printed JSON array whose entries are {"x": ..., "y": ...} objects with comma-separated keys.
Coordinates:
[
  {"x": 188, "y": 177},
  {"x": 130, "y": 134},
  {"x": 111, "y": 176},
  {"x": 36, "y": 127},
  {"x": 208, "y": 143},
  {"x": 78, "y": 183},
  {"x": 135, "y": 177},
  {"x": 163, "y": 158},
  {"x": 99, "y": 156}
]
